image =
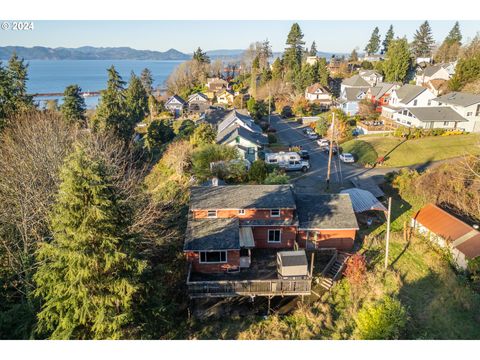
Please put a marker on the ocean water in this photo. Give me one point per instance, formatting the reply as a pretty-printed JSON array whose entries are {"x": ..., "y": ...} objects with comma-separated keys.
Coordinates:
[{"x": 53, "y": 76}]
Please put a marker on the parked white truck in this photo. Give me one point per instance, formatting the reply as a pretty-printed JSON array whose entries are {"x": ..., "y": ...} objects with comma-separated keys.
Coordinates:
[{"x": 290, "y": 161}]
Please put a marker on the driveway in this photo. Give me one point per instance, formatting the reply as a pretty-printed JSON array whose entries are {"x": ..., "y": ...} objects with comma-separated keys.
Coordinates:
[{"x": 290, "y": 133}]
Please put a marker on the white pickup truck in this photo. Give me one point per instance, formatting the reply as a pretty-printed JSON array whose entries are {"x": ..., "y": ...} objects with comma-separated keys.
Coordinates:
[{"x": 290, "y": 161}]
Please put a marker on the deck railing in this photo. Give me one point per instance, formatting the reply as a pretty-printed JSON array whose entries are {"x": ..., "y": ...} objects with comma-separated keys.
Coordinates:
[{"x": 271, "y": 287}]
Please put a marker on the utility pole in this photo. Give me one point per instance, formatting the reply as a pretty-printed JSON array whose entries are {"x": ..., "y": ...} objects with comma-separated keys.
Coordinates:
[
  {"x": 330, "y": 153},
  {"x": 388, "y": 231},
  {"x": 269, "y": 104}
]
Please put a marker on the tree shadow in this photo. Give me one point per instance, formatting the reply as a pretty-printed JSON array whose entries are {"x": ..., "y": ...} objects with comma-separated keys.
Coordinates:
[{"x": 385, "y": 157}]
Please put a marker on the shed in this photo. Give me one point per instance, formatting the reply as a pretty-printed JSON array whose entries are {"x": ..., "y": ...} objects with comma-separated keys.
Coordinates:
[
  {"x": 292, "y": 264},
  {"x": 363, "y": 200},
  {"x": 367, "y": 183}
]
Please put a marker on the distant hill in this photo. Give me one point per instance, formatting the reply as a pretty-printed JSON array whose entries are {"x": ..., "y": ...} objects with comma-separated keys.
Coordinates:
[{"x": 90, "y": 53}]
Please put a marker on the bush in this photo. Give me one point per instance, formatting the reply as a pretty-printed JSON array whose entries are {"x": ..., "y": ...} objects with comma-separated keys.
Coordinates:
[
  {"x": 383, "y": 320},
  {"x": 258, "y": 172},
  {"x": 286, "y": 112},
  {"x": 276, "y": 178},
  {"x": 272, "y": 138},
  {"x": 207, "y": 154}
]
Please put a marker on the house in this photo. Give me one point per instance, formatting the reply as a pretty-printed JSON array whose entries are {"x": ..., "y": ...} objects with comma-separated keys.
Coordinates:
[
  {"x": 240, "y": 237},
  {"x": 467, "y": 105},
  {"x": 225, "y": 97},
  {"x": 372, "y": 57},
  {"x": 436, "y": 86},
  {"x": 379, "y": 94},
  {"x": 198, "y": 103},
  {"x": 319, "y": 94},
  {"x": 248, "y": 143},
  {"x": 356, "y": 81},
  {"x": 215, "y": 85},
  {"x": 448, "y": 232},
  {"x": 350, "y": 98},
  {"x": 430, "y": 117},
  {"x": 175, "y": 105},
  {"x": 311, "y": 60},
  {"x": 236, "y": 117},
  {"x": 433, "y": 72},
  {"x": 407, "y": 96},
  {"x": 371, "y": 77}
]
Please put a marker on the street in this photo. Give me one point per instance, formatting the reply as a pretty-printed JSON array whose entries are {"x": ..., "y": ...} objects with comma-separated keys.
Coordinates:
[{"x": 290, "y": 133}]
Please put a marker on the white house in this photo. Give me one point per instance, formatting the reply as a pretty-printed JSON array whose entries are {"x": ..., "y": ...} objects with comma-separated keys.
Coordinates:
[
  {"x": 407, "y": 96},
  {"x": 311, "y": 60},
  {"x": 225, "y": 97},
  {"x": 350, "y": 98},
  {"x": 248, "y": 143},
  {"x": 467, "y": 105},
  {"x": 175, "y": 105},
  {"x": 356, "y": 81},
  {"x": 371, "y": 76},
  {"x": 433, "y": 72},
  {"x": 430, "y": 117},
  {"x": 242, "y": 120},
  {"x": 319, "y": 93}
]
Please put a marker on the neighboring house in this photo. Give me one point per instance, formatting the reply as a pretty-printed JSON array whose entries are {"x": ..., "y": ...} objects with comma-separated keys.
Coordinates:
[
  {"x": 467, "y": 105},
  {"x": 430, "y": 117},
  {"x": 198, "y": 103},
  {"x": 371, "y": 77},
  {"x": 225, "y": 97},
  {"x": 407, "y": 96},
  {"x": 311, "y": 60},
  {"x": 175, "y": 105},
  {"x": 436, "y": 86},
  {"x": 433, "y": 72},
  {"x": 448, "y": 232},
  {"x": 239, "y": 237},
  {"x": 356, "y": 81},
  {"x": 372, "y": 58},
  {"x": 350, "y": 98},
  {"x": 236, "y": 117},
  {"x": 215, "y": 85},
  {"x": 248, "y": 143},
  {"x": 379, "y": 94},
  {"x": 318, "y": 93}
]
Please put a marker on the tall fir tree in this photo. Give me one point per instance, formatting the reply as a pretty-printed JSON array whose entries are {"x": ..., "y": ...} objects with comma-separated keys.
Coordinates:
[
  {"x": 200, "y": 56},
  {"x": 455, "y": 35},
  {"x": 388, "y": 38},
  {"x": 136, "y": 100},
  {"x": 277, "y": 69},
  {"x": 423, "y": 41},
  {"x": 294, "y": 51},
  {"x": 354, "y": 56},
  {"x": 323, "y": 73},
  {"x": 88, "y": 273},
  {"x": 374, "y": 43},
  {"x": 450, "y": 48},
  {"x": 313, "y": 49},
  {"x": 147, "y": 81},
  {"x": 398, "y": 61},
  {"x": 73, "y": 106}
]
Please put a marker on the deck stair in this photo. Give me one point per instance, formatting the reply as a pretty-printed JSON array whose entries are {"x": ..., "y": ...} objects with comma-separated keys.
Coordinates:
[{"x": 333, "y": 271}]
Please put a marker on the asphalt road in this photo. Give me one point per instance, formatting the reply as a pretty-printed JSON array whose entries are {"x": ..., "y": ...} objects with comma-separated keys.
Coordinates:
[{"x": 290, "y": 133}]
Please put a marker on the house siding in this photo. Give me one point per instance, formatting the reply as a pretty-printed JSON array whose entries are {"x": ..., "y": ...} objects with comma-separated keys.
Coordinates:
[
  {"x": 287, "y": 237},
  {"x": 233, "y": 262},
  {"x": 338, "y": 239}
]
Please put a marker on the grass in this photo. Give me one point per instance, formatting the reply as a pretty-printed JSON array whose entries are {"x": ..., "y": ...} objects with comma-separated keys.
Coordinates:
[{"x": 412, "y": 152}]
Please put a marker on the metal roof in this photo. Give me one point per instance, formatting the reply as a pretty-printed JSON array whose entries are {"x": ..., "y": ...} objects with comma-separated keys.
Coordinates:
[
  {"x": 460, "y": 235},
  {"x": 363, "y": 200},
  {"x": 367, "y": 183},
  {"x": 246, "y": 237}
]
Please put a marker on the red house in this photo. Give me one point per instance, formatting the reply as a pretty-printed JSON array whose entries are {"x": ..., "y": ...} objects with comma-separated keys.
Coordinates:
[
  {"x": 235, "y": 232},
  {"x": 379, "y": 95}
]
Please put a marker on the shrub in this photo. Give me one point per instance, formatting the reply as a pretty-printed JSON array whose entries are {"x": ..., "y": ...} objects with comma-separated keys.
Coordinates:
[
  {"x": 272, "y": 139},
  {"x": 382, "y": 320},
  {"x": 258, "y": 171},
  {"x": 286, "y": 112},
  {"x": 207, "y": 154},
  {"x": 276, "y": 178}
]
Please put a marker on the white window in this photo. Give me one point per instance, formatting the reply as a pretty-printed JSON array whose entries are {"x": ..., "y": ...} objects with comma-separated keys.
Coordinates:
[
  {"x": 213, "y": 257},
  {"x": 274, "y": 236},
  {"x": 275, "y": 213},
  {"x": 241, "y": 212},
  {"x": 470, "y": 113},
  {"x": 415, "y": 102},
  {"x": 211, "y": 213},
  {"x": 429, "y": 102},
  {"x": 445, "y": 123}
]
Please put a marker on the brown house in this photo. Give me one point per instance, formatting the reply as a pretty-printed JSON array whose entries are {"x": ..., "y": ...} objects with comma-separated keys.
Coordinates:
[{"x": 235, "y": 232}]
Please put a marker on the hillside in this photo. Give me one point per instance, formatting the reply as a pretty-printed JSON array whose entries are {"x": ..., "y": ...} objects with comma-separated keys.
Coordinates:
[{"x": 90, "y": 53}]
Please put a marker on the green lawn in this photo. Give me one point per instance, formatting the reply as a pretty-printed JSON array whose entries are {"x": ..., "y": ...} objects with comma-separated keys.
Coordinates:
[{"x": 411, "y": 152}]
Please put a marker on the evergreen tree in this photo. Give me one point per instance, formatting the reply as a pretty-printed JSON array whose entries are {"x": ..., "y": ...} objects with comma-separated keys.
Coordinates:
[
  {"x": 388, "y": 38},
  {"x": 147, "y": 80},
  {"x": 398, "y": 60},
  {"x": 277, "y": 69},
  {"x": 136, "y": 100},
  {"x": 454, "y": 36},
  {"x": 112, "y": 111},
  {"x": 354, "y": 56},
  {"x": 423, "y": 41},
  {"x": 450, "y": 48},
  {"x": 200, "y": 56},
  {"x": 374, "y": 43},
  {"x": 293, "y": 52},
  {"x": 323, "y": 73},
  {"x": 313, "y": 49},
  {"x": 73, "y": 106},
  {"x": 264, "y": 54},
  {"x": 203, "y": 134},
  {"x": 158, "y": 134},
  {"x": 88, "y": 274},
  {"x": 18, "y": 73}
]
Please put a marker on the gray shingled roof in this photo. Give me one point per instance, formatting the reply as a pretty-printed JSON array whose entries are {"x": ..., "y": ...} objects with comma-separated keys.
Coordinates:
[
  {"x": 232, "y": 116},
  {"x": 232, "y": 131},
  {"x": 459, "y": 98},
  {"x": 380, "y": 89},
  {"x": 327, "y": 211},
  {"x": 202, "y": 97},
  {"x": 242, "y": 197},
  {"x": 355, "y": 80},
  {"x": 351, "y": 94},
  {"x": 430, "y": 70},
  {"x": 212, "y": 234},
  {"x": 408, "y": 92},
  {"x": 176, "y": 97},
  {"x": 436, "y": 113},
  {"x": 369, "y": 72}
]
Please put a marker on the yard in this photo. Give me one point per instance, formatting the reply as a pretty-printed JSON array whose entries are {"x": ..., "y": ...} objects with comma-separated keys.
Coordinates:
[{"x": 411, "y": 152}]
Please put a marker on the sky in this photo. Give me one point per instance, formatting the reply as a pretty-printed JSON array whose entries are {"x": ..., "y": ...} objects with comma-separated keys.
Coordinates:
[{"x": 330, "y": 36}]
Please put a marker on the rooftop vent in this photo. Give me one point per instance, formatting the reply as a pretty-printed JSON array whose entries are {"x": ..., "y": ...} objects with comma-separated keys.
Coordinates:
[{"x": 475, "y": 226}]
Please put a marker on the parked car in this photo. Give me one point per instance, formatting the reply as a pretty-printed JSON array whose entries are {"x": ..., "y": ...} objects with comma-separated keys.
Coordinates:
[
  {"x": 323, "y": 143},
  {"x": 295, "y": 165},
  {"x": 308, "y": 130},
  {"x": 326, "y": 149},
  {"x": 304, "y": 154},
  {"x": 347, "y": 158},
  {"x": 312, "y": 136}
]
